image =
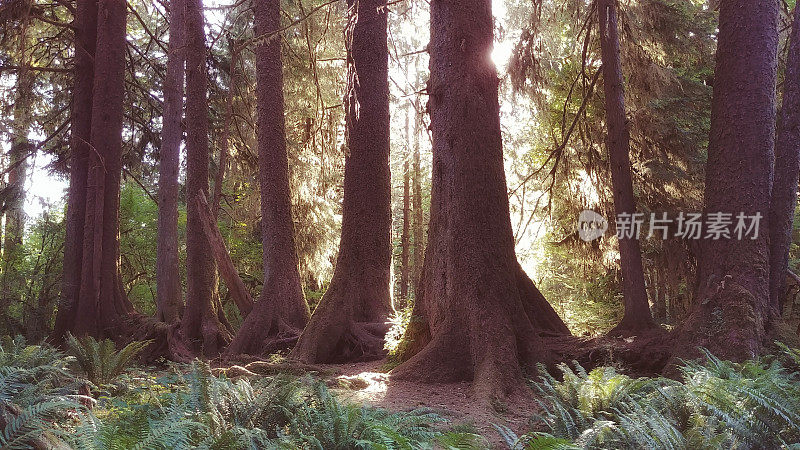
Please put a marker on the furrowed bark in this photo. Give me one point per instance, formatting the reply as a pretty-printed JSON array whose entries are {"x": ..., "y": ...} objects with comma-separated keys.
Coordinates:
[
  {"x": 350, "y": 322},
  {"x": 169, "y": 303},
  {"x": 281, "y": 311},
  {"x": 787, "y": 171},
  {"x": 731, "y": 312},
  {"x": 81, "y": 124},
  {"x": 200, "y": 324},
  {"x": 470, "y": 320},
  {"x": 637, "y": 315}
]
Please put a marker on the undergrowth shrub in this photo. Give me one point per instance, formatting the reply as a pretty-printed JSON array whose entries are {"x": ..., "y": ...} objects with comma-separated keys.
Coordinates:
[
  {"x": 100, "y": 360},
  {"x": 718, "y": 404}
]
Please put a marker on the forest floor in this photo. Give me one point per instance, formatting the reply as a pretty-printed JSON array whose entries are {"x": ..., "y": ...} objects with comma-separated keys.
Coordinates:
[
  {"x": 370, "y": 384},
  {"x": 367, "y": 384}
]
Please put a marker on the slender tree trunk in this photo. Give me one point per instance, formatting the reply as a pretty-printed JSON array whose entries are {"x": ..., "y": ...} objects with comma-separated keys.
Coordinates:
[
  {"x": 82, "y": 94},
  {"x": 281, "y": 312},
  {"x": 731, "y": 311},
  {"x": 416, "y": 206},
  {"x": 637, "y": 311},
  {"x": 200, "y": 323},
  {"x": 350, "y": 322},
  {"x": 787, "y": 171},
  {"x": 11, "y": 282},
  {"x": 405, "y": 237},
  {"x": 169, "y": 302},
  {"x": 476, "y": 316}
]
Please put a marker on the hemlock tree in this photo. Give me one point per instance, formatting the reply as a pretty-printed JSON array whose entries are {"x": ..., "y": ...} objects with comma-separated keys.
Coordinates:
[
  {"x": 281, "y": 312},
  {"x": 169, "y": 304},
  {"x": 81, "y": 123},
  {"x": 731, "y": 314},
  {"x": 100, "y": 306},
  {"x": 478, "y": 317},
  {"x": 200, "y": 325},
  {"x": 637, "y": 315},
  {"x": 350, "y": 322},
  {"x": 787, "y": 170}
]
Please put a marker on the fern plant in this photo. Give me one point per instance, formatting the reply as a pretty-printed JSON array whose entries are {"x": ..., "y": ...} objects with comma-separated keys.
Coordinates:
[
  {"x": 100, "y": 360},
  {"x": 719, "y": 404}
]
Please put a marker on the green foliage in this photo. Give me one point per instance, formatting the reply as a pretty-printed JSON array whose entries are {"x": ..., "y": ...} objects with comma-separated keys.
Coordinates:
[
  {"x": 100, "y": 360},
  {"x": 719, "y": 404}
]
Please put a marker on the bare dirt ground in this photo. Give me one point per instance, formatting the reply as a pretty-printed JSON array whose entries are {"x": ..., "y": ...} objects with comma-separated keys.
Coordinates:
[{"x": 366, "y": 384}]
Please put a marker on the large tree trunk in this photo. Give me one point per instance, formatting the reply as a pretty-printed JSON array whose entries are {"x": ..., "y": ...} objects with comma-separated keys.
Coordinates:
[
  {"x": 102, "y": 302},
  {"x": 731, "y": 309},
  {"x": 281, "y": 312},
  {"x": 169, "y": 303},
  {"x": 787, "y": 170},
  {"x": 405, "y": 243},
  {"x": 637, "y": 311},
  {"x": 475, "y": 320},
  {"x": 416, "y": 207},
  {"x": 200, "y": 324},
  {"x": 350, "y": 322},
  {"x": 81, "y": 125}
]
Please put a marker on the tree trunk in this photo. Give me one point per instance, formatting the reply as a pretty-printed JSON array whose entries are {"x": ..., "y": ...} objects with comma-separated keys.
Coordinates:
[
  {"x": 169, "y": 303},
  {"x": 476, "y": 316},
  {"x": 350, "y": 322},
  {"x": 81, "y": 125},
  {"x": 12, "y": 282},
  {"x": 281, "y": 312},
  {"x": 416, "y": 206},
  {"x": 225, "y": 264},
  {"x": 637, "y": 311},
  {"x": 102, "y": 302},
  {"x": 404, "y": 238},
  {"x": 787, "y": 171},
  {"x": 200, "y": 324},
  {"x": 731, "y": 309}
]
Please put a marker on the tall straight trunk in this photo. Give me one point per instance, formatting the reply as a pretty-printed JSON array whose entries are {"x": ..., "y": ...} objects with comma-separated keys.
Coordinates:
[
  {"x": 281, "y": 312},
  {"x": 102, "y": 302},
  {"x": 416, "y": 207},
  {"x": 200, "y": 323},
  {"x": 81, "y": 125},
  {"x": 477, "y": 317},
  {"x": 350, "y": 322},
  {"x": 405, "y": 237},
  {"x": 169, "y": 302},
  {"x": 787, "y": 171},
  {"x": 731, "y": 311},
  {"x": 637, "y": 311}
]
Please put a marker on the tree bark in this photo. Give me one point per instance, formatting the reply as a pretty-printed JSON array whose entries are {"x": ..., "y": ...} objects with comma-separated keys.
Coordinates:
[
  {"x": 227, "y": 270},
  {"x": 475, "y": 317},
  {"x": 350, "y": 322},
  {"x": 731, "y": 310},
  {"x": 200, "y": 324},
  {"x": 787, "y": 171},
  {"x": 281, "y": 312},
  {"x": 405, "y": 243},
  {"x": 81, "y": 124},
  {"x": 169, "y": 302},
  {"x": 637, "y": 315},
  {"x": 416, "y": 207}
]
